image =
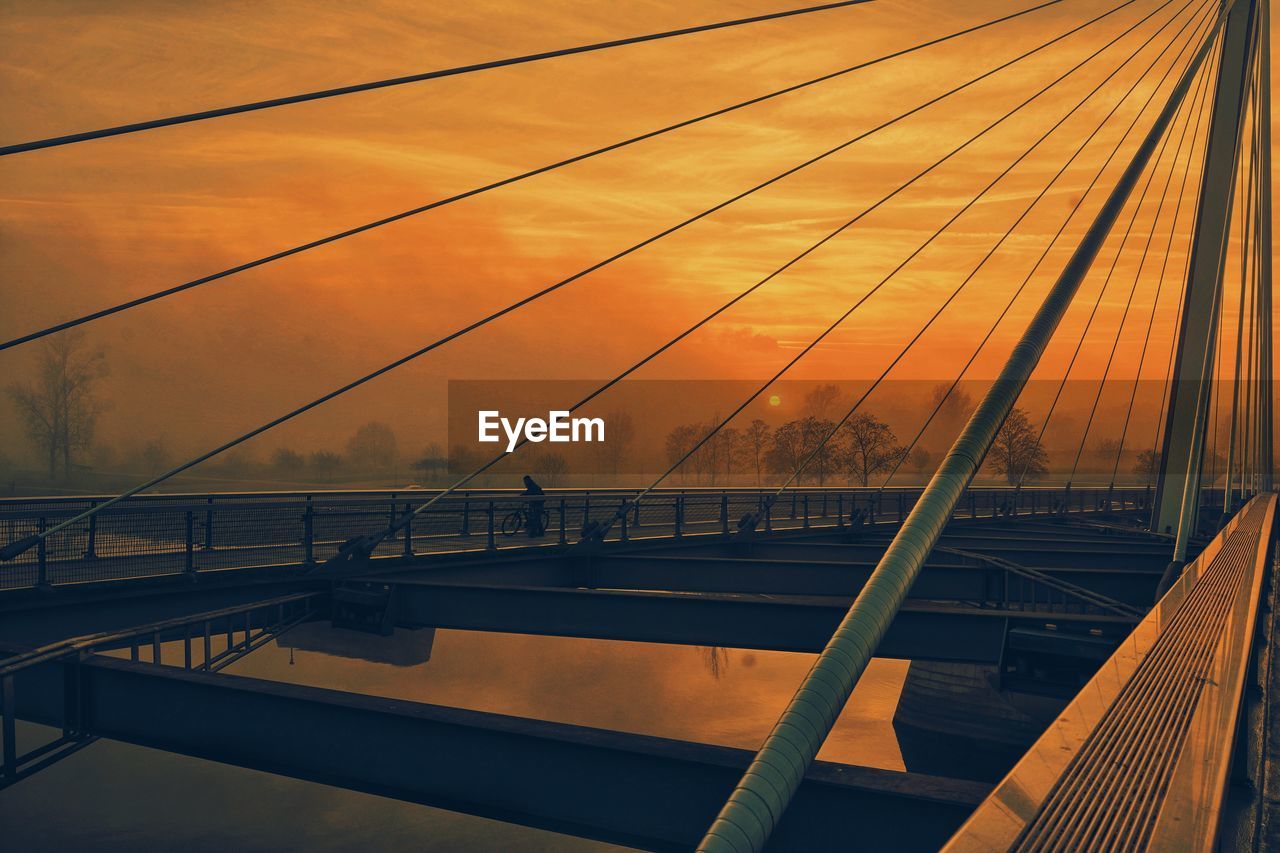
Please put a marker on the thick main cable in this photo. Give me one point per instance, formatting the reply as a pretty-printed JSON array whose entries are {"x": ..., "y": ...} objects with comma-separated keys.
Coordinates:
[
  {"x": 761, "y": 796},
  {"x": 493, "y": 185},
  {"x": 13, "y": 549},
  {"x": 321, "y": 94}
]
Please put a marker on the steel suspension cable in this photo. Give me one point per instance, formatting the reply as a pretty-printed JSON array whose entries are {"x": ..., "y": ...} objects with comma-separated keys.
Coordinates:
[
  {"x": 764, "y": 791},
  {"x": 991, "y": 253},
  {"x": 1137, "y": 276},
  {"x": 17, "y": 547},
  {"x": 1150, "y": 175},
  {"x": 1246, "y": 202},
  {"x": 812, "y": 344},
  {"x": 401, "y": 522},
  {"x": 1216, "y": 391},
  {"x": 493, "y": 185},
  {"x": 1030, "y": 275},
  {"x": 204, "y": 115},
  {"x": 1244, "y": 199},
  {"x": 1164, "y": 265}
]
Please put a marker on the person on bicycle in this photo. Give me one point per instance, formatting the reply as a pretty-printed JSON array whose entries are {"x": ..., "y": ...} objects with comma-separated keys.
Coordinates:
[{"x": 533, "y": 508}]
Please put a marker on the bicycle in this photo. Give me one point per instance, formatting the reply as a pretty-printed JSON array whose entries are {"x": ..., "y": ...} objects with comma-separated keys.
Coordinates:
[{"x": 517, "y": 520}]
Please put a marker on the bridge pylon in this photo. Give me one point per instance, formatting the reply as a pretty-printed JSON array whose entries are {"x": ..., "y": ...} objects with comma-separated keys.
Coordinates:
[{"x": 1182, "y": 450}]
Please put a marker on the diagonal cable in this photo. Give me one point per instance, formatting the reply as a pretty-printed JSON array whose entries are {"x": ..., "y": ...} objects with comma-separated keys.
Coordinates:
[
  {"x": 21, "y": 545},
  {"x": 493, "y": 185},
  {"x": 220, "y": 112},
  {"x": 1137, "y": 276},
  {"x": 991, "y": 253}
]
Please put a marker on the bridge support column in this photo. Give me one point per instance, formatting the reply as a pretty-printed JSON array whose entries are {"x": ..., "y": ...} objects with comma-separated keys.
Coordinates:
[
  {"x": 1178, "y": 487},
  {"x": 1267, "y": 388}
]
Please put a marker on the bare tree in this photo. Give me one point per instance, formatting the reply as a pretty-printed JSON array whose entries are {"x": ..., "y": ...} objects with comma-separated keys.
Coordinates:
[
  {"x": 550, "y": 468},
  {"x": 325, "y": 463},
  {"x": 432, "y": 461},
  {"x": 726, "y": 448},
  {"x": 287, "y": 461},
  {"x": 1105, "y": 454},
  {"x": 620, "y": 432},
  {"x": 869, "y": 447},
  {"x": 787, "y": 450},
  {"x": 373, "y": 446},
  {"x": 1017, "y": 453},
  {"x": 954, "y": 408},
  {"x": 819, "y": 401},
  {"x": 755, "y": 442},
  {"x": 154, "y": 456},
  {"x": 1145, "y": 466},
  {"x": 795, "y": 442},
  {"x": 680, "y": 441},
  {"x": 822, "y": 447},
  {"x": 920, "y": 459},
  {"x": 59, "y": 408}
]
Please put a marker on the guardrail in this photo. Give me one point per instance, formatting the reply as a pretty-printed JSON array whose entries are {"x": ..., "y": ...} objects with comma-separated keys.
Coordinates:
[
  {"x": 1139, "y": 760},
  {"x": 154, "y": 535},
  {"x": 245, "y": 627}
]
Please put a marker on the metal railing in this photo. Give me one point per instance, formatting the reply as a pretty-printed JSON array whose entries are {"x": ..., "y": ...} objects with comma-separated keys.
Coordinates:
[
  {"x": 210, "y": 641},
  {"x": 156, "y": 535},
  {"x": 1140, "y": 759}
]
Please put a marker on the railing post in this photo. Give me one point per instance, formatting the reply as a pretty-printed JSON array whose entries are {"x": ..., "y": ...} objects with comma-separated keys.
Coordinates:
[
  {"x": 408, "y": 531},
  {"x": 42, "y": 558},
  {"x": 679, "y": 516},
  {"x": 768, "y": 516},
  {"x": 491, "y": 543},
  {"x": 564, "y": 532},
  {"x": 902, "y": 513},
  {"x": 191, "y": 543},
  {"x": 308, "y": 533},
  {"x": 466, "y": 518},
  {"x": 839, "y": 509},
  {"x": 724, "y": 513},
  {"x": 805, "y": 507},
  {"x": 973, "y": 504},
  {"x": 208, "y": 525},
  {"x": 622, "y": 519},
  {"x": 91, "y": 544}
]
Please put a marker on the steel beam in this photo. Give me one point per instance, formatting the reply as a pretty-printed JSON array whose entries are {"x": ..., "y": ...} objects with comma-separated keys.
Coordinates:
[
  {"x": 653, "y": 793},
  {"x": 921, "y": 631},
  {"x": 1187, "y": 412},
  {"x": 937, "y": 582}
]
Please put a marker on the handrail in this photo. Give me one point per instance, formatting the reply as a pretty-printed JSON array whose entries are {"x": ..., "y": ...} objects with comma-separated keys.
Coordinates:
[
  {"x": 62, "y": 648},
  {"x": 1139, "y": 759}
]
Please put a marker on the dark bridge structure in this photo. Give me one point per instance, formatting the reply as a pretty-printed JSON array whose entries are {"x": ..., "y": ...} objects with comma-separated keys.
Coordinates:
[{"x": 1139, "y": 620}]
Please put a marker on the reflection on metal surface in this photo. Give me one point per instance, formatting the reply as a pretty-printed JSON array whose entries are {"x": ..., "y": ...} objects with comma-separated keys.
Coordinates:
[{"x": 1139, "y": 758}]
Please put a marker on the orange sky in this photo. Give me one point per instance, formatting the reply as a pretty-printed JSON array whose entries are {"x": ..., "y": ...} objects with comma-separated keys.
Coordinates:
[{"x": 89, "y": 225}]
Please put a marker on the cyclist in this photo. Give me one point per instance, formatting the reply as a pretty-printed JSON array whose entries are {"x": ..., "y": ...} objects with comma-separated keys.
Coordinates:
[{"x": 533, "y": 508}]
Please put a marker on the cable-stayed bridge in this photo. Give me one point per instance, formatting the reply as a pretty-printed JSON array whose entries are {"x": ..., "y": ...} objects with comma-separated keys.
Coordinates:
[{"x": 1141, "y": 615}]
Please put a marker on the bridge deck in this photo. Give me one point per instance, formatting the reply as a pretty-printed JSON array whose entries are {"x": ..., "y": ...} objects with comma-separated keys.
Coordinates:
[{"x": 1139, "y": 760}]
